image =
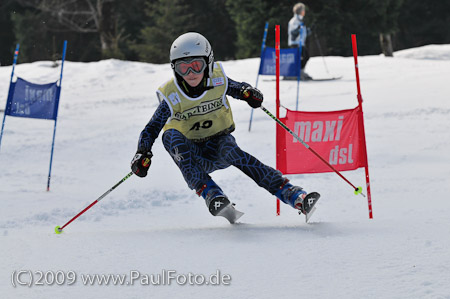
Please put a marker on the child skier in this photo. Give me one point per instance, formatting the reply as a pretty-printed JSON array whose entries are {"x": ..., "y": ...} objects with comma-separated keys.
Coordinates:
[{"x": 196, "y": 117}]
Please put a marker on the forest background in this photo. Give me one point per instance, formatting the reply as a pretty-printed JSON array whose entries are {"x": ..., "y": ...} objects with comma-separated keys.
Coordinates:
[{"x": 143, "y": 30}]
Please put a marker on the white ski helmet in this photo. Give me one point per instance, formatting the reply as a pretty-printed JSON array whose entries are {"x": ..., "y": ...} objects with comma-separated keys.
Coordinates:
[{"x": 192, "y": 44}]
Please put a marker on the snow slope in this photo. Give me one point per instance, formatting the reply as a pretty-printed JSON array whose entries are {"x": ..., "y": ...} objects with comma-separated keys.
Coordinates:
[{"x": 157, "y": 224}]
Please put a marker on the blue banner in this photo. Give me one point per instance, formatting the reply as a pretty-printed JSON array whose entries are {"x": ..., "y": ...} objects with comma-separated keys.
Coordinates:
[
  {"x": 31, "y": 100},
  {"x": 289, "y": 62}
]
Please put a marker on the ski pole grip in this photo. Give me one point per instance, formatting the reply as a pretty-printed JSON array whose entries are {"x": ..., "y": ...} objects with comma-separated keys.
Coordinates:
[{"x": 246, "y": 94}]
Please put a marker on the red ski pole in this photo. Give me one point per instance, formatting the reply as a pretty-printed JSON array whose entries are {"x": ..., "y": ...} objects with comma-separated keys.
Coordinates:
[{"x": 59, "y": 229}]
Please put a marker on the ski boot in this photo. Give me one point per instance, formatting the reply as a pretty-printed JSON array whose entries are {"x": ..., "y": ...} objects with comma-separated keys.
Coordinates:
[
  {"x": 218, "y": 203},
  {"x": 298, "y": 198}
]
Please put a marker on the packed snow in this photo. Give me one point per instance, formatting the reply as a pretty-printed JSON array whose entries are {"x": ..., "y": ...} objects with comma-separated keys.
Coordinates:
[{"x": 156, "y": 225}]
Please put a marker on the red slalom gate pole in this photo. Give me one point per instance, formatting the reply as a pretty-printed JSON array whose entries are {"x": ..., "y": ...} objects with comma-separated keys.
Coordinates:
[
  {"x": 361, "y": 125},
  {"x": 59, "y": 230},
  {"x": 277, "y": 98}
]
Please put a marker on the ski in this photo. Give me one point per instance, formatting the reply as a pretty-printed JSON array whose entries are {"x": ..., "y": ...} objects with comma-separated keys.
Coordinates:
[
  {"x": 308, "y": 215},
  {"x": 221, "y": 206},
  {"x": 310, "y": 80},
  {"x": 326, "y": 79},
  {"x": 230, "y": 213},
  {"x": 308, "y": 207}
]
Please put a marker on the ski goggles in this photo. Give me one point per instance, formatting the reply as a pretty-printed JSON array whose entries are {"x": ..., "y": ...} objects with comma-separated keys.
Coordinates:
[{"x": 196, "y": 65}]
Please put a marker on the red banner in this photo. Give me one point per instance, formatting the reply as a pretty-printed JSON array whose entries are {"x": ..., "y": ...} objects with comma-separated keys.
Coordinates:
[{"x": 337, "y": 136}]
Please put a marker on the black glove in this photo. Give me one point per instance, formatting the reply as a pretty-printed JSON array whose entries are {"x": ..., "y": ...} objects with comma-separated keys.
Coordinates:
[
  {"x": 140, "y": 163},
  {"x": 252, "y": 96}
]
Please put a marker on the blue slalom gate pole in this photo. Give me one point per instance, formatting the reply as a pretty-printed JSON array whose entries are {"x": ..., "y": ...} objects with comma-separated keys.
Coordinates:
[
  {"x": 299, "y": 73},
  {"x": 56, "y": 117},
  {"x": 16, "y": 53},
  {"x": 263, "y": 46},
  {"x": 300, "y": 45}
]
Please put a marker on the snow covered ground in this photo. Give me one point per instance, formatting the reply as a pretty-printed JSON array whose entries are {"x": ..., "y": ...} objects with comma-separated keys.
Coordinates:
[{"x": 156, "y": 225}]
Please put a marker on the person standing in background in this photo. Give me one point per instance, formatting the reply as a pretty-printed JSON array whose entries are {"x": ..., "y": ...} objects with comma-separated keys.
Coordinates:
[{"x": 297, "y": 36}]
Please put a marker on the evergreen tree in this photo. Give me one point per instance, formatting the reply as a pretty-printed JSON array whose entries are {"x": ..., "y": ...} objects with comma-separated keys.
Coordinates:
[
  {"x": 249, "y": 17},
  {"x": 7, "y": 37},
  {"x": 169, "y": 19},
  {"x": 131, "y": 19},
  {"x": 385, "y": 21},
  {"x": 145, "y": 29},
  {"x": 214, "y": 22},
  {"x": 336, "y": 20},
  {"x": 37, "y": 42},
  {"x": 424, "y": 22},
  {"x": 81, "y": 16},
  {"x": 166, "y": 20},
  {"x": 31, "y": 34}
]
